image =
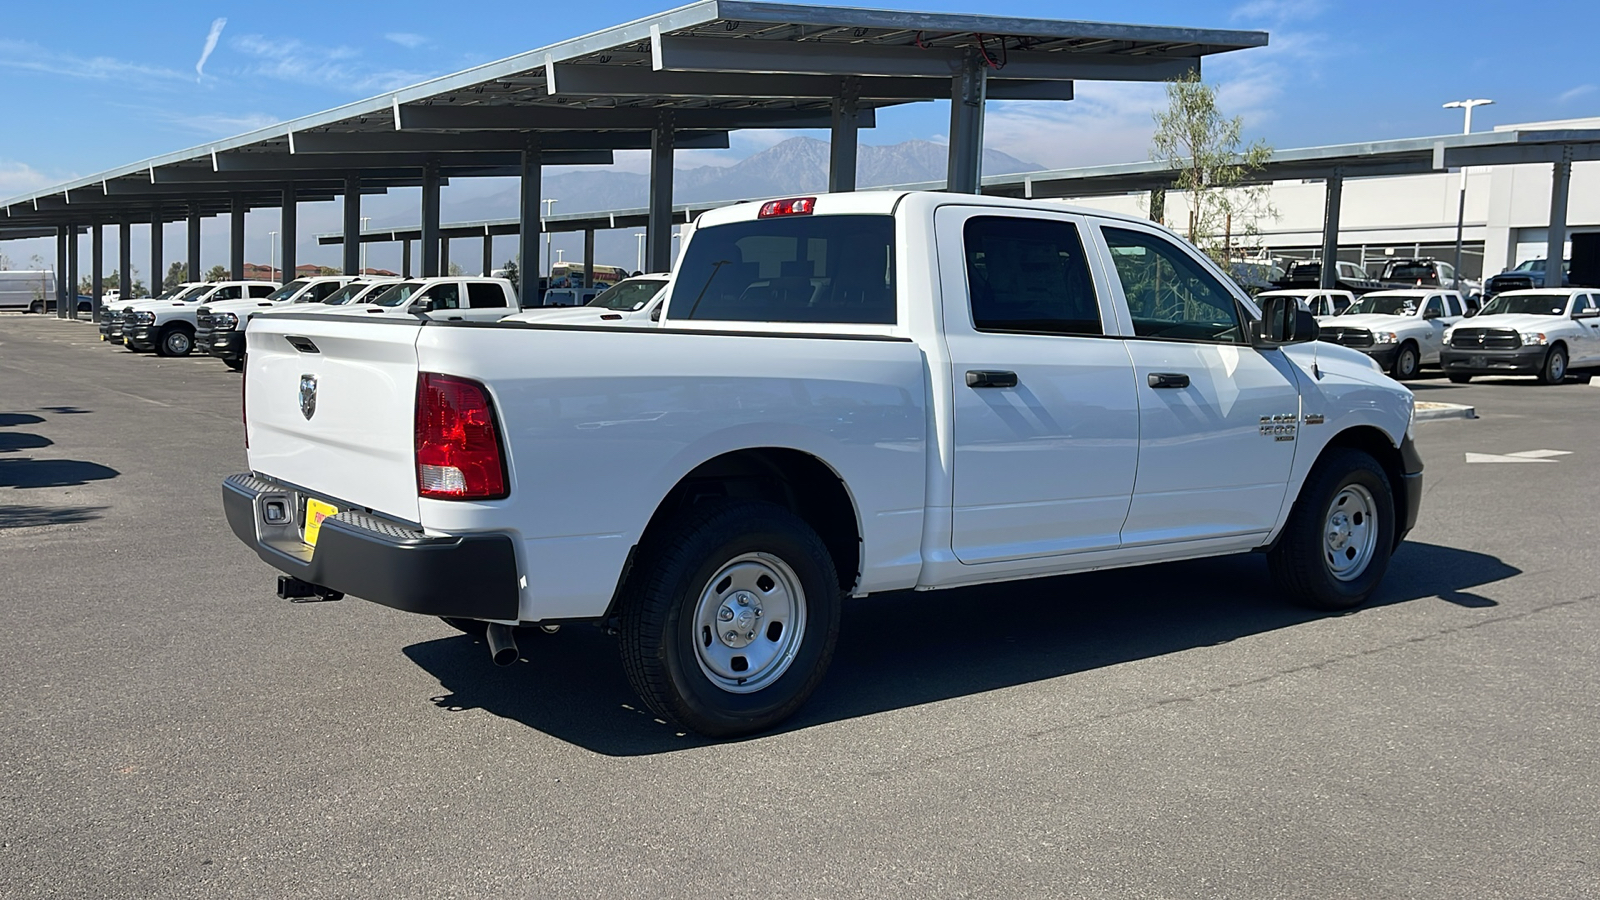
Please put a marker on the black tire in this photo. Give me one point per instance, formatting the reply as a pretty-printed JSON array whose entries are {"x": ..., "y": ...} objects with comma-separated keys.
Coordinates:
[
  {"x": 1460, "y": 379},
  {"x": 664, "y": 593},
  {"x": 236, "y": 364},
  {"x": 1301, "y": 563},
  {"x": 466, "y": 626},
  {"x": 175, "y": 340},
  {"x": 36, "y": 307},
  {"x": 1407, "y": 363},
  {"x": 1554, "y": 370}
]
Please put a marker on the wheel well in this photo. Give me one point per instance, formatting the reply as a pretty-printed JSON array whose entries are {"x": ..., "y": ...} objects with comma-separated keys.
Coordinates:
[
  {"x": 797, "y": 481},
  {"x": 179, "y": 324},
  {"x": 1376, "y": 444}
]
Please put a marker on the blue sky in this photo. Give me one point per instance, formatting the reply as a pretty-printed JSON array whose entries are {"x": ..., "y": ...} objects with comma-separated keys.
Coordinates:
[{"x": 89, "y": 85}]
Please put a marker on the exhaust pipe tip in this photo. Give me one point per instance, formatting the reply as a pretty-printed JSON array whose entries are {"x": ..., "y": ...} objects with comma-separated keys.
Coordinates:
[{"x": 502, "y": 644}]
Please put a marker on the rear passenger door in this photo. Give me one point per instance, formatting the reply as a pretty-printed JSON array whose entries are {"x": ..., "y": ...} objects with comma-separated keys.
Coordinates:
[
  {"x": 486, "y": 302},
  {"x": 1045, "y": 424},
  {"x": 1217, "y": 417}
]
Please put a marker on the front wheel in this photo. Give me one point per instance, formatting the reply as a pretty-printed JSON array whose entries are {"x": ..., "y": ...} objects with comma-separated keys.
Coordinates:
[
  {"x": 1406, "y": 363},
  {"x": 174, "y": 340},
  {"x": 1554, "y": 370},
  {"x": 1340, "y": 534},
  {"x": 730, "y": 617}
]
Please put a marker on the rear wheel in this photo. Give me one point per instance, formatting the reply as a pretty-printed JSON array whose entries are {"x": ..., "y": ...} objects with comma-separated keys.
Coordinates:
[
  {"x": 1460, "y": 379},
  {"x": 36, "y": 307},
  {"x": 730, "y": 617},
  {"x": 1554, "y": 370},
  {"x": 1406, "y": 362},
  {"x": 175, "y": 340},
  {"x": 1340, "y": 534}
]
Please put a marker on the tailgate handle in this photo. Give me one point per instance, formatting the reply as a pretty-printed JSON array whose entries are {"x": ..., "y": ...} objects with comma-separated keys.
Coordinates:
[
  {"x": 304, "y": 345},
  {"x": 1168, "y": 380},
  {"x": 991, "y": 379}
]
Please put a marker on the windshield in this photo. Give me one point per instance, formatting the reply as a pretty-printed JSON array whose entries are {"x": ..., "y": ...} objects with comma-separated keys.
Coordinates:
[
  {"x": 342, "y": 295},
  {"x": 286, "y": 291},
  {"x": 630, "y": 295},
  {"x": 193, "y": 292},
  {"x": 398, "y": 294},
  {"x": 1527, "y": 304},
  {"x": 1383, "y": 305},
  {"x": 171, "y": 294}
]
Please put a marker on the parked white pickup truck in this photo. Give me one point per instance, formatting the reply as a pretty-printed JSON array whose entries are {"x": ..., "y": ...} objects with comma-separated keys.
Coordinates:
[
  {"x": 1403, "y": 330},
  {"x": 848, "y": 394},
  {"x": 1547, "y": 333},
  {"x": 217, "y": 330},
  {"x": 443, "y": 299},
  {"x": 168, "y": 327},
  {"x": 632, "y": 301}
]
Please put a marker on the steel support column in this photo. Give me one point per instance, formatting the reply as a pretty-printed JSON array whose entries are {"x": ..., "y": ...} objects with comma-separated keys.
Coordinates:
[
  {"x": 528, "y": 214},
  {"x": 444, "y": 255},
  {"x": 236, "y": 238},
  {"x": 352, "y": 222},
  {"x": 405, "y": 258},
  {"x": 289, "y": 231},
  {"x": 61, "y": 266},
  {"x": 157, "y": 258},
  {"x": 843, "y": 143},
  {"x": 658, "y": 227},
  {"x": 97, "y": 258},
  {"x": 1555, "y": 241},
  {"x": 1330, "y": 229},
  {"x": 967, "y": 93},
  {"x": 488, "y": 253},
  {"x": 430, "y": 218},
  {"x": 70, "y": 308},
  {"x": 194, "y": 273},
  {"x": 124, "y": 263},
  {"x": 588, "y": 257}
]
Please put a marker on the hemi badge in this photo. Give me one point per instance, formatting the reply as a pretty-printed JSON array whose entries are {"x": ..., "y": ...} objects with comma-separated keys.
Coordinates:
[{"x": 1314, "y": 419}]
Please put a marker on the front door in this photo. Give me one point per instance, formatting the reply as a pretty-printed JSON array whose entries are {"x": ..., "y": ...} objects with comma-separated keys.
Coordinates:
[
  {"x": 1217, "y": 417},
  {"x": 1045, "y": 414}
]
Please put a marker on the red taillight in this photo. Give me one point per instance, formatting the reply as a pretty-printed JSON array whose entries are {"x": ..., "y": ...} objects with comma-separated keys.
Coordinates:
[
  {"x": 457, "y": 442},
  {"x": 799, "y": 206}
]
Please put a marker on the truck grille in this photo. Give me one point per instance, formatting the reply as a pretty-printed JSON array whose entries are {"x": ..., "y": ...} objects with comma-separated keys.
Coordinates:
[
  {"x": 1347, "y": 337},
  {"x": 1485, "y": 339}
]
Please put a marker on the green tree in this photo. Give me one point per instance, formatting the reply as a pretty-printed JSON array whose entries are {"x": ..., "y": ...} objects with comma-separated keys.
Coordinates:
[
  {"x": 1213, "y": 163},
  {"x": 217, "y": 273},
  {"x": 511, "y": 275},
  {"x": 177, "y": 274}
]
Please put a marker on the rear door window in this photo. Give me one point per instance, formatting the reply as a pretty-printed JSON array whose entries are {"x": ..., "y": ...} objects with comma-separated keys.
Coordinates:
[
  {"x": 483, "y": 295},
  {"x": 1170, "y": 294},
  {"x": 261, "y": 290},
  {"x": 837, "y": 269},
  {"x": 1029, "y": 276}
]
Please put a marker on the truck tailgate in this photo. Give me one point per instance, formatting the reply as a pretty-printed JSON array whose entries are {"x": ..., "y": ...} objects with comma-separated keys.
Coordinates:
[{"x": 330, "y": 405}]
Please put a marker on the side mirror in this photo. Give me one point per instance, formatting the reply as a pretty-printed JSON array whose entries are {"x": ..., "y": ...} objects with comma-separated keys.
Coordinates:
[
  {"x": 419, "y": 307},
  {"x": 1284, "y": 322},
  {"x": 1586, "y": 313},
  {"x": 1430, "y": 314}
]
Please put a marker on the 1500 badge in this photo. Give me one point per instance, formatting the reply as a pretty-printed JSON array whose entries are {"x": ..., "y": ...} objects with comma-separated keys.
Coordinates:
[{"x": 1280, "y": 427}]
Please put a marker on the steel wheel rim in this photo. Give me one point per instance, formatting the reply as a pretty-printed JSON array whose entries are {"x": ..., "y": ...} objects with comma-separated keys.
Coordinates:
[
  {"x": 749, "y": 623},
  {"x": 178, "y": 343},
  {"x": 1349, "y": 532},
  {"x": 1408, "y": 362},
  {"x": 1558, "y": 365}
]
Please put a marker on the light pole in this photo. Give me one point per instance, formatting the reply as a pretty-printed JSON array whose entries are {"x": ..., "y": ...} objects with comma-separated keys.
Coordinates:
[
  {"x": 364, "y": 221},
  {"x": 640, "y": 266},
  {"x": 1461, "y": 200},
  {"x": 272, "y": 256}
]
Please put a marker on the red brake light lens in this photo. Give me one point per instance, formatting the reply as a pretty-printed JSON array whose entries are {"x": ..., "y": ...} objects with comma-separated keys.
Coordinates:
[
  {"x": 459, "y": 456},
  {"x": 798, "y": 206}
]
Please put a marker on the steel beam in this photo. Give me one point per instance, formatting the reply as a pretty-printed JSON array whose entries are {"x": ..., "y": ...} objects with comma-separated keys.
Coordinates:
[
  {"x": 1520, "y": 154},
  {"x": 444, "y": 254},
  {"x": 532, "y": 118},
  {"x": 352, "y": 224},
  {"x": 289, "y": 231},
  {"x": 1555, "y": 249},
  {"x": 124, "y": 261},
  {"x": 530, "y": 192},
  {"x": 236, "y": 239},
  {"x": 578, "y": 80},
  {"x": 745, "y": 57},
  {"x": 70, "y": 308},
  {"x": 320, "y": 143},
  {"x": 430, "y": 222},
  {"x": 488, "y": 254},
  {"x": 1333, "y": 197},
  {"x": 405, "y": 258},
  {"x": 658, "y": 233},
  {"x": 157, "y": 260},
  {"x": 61, "y": 266},
  {"x": 276, "y": 163},
  {"x": 965, "y": 169},
  {"x": 97, "y": 258},
  {"x": 193, "y": 263},
  {"x": 843, "y": 144}
]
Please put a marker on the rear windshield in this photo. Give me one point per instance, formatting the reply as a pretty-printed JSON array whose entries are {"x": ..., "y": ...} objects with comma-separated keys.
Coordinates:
[
  {"x": 1527, "y": 304},
  {"x": 795, "y": 269},
  {"x": 287, "y": 290},
  {"x": 1404, "y": 272},
  {"x": 629, "y": 296}
]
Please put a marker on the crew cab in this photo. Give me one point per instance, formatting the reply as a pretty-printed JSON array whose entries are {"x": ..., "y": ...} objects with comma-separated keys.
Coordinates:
[
  {"x": 111, "y": 316},
  {"x": 1401, "y": 330},
  {"x": 1319, "y": 302},
  {"x": 632, "y": 301},
  {"x": 168, "y": 327},
  {"x": 847, "y": 395},
  {"x": 1547, "y": 333},
  {"x": 217, "y": 322},
  {"x": 447, "y": 299}
]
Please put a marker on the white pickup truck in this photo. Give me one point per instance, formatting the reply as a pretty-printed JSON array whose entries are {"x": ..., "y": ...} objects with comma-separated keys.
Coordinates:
[
  {"x": 168, "y": 327},
  {"x": 452, "y": 298},
  {"x": 1403, "y": 330},
  {"x": 1548, "y": 333},
  {"x": 217, "y": 322},
  {"x": 848, "y": 394}
]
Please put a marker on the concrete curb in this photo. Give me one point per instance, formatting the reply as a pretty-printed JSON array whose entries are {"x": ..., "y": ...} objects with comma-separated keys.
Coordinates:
[{"x": 1429, "y": 410}]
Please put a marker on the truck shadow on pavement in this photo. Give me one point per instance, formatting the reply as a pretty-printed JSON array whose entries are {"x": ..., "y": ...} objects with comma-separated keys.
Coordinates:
[
  {"x": 37, "y": 473},
  {"x": 7, "y": 420},
  {"x": 907, "y": 649},
  {"x": 35, "y": 516}
]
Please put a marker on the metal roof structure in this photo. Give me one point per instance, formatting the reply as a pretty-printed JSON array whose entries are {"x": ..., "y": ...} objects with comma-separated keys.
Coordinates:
[{"x": 682, "y": 78}]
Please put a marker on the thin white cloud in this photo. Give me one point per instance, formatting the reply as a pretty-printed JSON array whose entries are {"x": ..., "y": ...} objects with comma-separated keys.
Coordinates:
[
  {"x": 20, "y": 178},
  {"x": 340, "y": 67},
  {"x": 1575, "y": 93},
  {"x": 406, "y": 39},
  {"x": 211, "y": 44},
  {"x": 1278, "y": 12},
  {"x": 27, "y": 56}
]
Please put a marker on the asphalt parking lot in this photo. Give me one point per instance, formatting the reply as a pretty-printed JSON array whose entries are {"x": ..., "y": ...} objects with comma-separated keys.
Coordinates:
[{"x": 173, "y": 730}]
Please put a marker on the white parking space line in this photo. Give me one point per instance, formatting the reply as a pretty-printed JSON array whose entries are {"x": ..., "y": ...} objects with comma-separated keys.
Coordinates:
[{"x": 1521, "y": 456}]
